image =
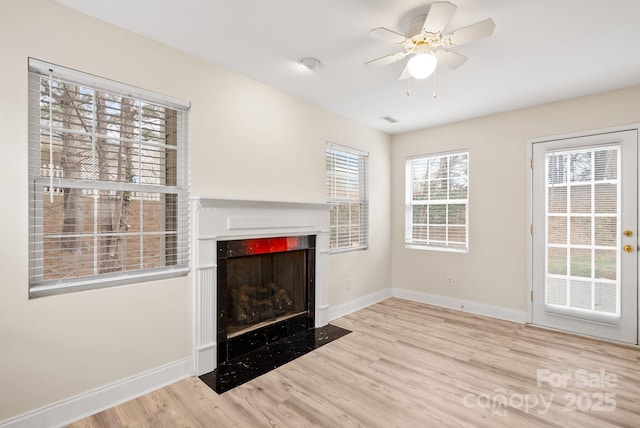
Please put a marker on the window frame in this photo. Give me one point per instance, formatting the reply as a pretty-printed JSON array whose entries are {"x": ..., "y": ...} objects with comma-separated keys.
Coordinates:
[
  {"x": 38, "y": 286},
  {"x": 410, "y": 203},
  {"x": 362, "y": 200}
]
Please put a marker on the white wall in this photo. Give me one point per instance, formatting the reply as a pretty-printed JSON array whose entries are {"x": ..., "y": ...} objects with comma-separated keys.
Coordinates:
[
  {"x": 494, "y": 271},
  {"x": 247, "y": 142}
]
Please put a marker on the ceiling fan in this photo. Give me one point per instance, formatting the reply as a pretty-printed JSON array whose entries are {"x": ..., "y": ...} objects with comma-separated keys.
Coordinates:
[{"x": 429, "y": 47}]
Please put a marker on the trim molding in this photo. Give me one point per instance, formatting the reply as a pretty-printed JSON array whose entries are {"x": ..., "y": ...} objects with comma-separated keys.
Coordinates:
[
  {"x": 462, "y": 305},
  {"x": 351, "y": 306},
  {"x": 497, "y": 312},
  {"x": 86, "y": 404}
]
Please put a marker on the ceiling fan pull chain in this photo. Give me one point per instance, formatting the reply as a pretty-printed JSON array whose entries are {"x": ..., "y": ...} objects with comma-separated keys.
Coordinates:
[
  {"x": 434, "y": 83},
  {"x": 408, "y": 87}
]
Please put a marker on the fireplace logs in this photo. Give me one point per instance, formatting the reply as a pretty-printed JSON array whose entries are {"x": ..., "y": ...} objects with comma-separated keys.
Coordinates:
[{"x": 254, "y": 303}]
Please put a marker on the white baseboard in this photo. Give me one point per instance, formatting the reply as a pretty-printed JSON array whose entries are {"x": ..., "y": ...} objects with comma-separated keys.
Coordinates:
[
  {"x": 462, "y": 305},
  {"x": 346, "y": 308},
  {"x": 498, "y": 312},
  {"x": 72, "y": 409},
  {"x": 205, "y": 359}
]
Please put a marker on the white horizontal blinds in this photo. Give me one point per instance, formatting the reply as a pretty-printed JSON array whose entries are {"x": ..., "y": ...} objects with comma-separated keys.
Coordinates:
[
  {"x": 347, "y": 194},
  {"x": 109, "y": 183},
  {"x": 437, "y": 201},
  {"x": 582, "y": 229}
]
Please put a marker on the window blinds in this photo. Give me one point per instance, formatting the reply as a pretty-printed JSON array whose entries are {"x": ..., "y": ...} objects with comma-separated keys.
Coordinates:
[
  {"x": 347, "y": 194},
  {"x": 437, "y": 199},
  {"x": 582, "y": 229},
  {"x": 109, "y": 177}
]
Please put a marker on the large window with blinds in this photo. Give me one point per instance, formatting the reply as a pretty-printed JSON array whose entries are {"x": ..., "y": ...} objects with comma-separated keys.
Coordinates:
[
  {"x": 347, "y": 194},
  {"x": 437, "y": 202},
  {"x": 583, "y": 213},
  {"x": 108, "y": 182}
]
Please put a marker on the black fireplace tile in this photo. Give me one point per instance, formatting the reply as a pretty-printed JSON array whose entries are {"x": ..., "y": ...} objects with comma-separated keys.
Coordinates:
[
  {"x": 237, "y": 371},
  {"x": 250, "y": 341}
]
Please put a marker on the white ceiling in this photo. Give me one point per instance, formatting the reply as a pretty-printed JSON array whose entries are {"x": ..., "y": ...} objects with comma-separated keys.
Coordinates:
[{"x": 541, "y": 51}]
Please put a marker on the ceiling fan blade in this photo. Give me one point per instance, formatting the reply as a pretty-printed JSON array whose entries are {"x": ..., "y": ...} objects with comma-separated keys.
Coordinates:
[
  {"x": 405, "y": 74},
  {"x": 387, "y": 35},
  {"x": 469, "y": 33},
  {"x": 388, "y": 59},
  {"x": 439, "y": 15},
  {"x": 450, "y": 59}
]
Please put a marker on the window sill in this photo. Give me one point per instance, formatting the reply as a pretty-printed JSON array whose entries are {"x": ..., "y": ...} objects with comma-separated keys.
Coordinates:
[
  {"x": 348, "y": 250},
  {"x": 434, "y": 248},
  {"x": 51, "y": 288}
]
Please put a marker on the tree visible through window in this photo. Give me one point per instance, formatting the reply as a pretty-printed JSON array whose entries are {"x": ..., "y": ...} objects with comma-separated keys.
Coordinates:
[
  {"x": 347, "y": 194},
  {"x": 437, "y": 196},
  {"x": 108, "y": 184}
]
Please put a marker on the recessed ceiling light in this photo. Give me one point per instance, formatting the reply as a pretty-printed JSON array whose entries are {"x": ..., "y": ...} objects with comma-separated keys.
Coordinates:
[{"x": 311, "y": 63}]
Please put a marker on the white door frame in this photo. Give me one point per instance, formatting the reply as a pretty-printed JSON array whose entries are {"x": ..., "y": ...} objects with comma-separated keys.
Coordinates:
[{"x": 530, "y": 184}]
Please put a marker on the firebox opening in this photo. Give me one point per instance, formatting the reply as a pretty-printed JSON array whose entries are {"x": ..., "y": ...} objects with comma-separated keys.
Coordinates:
[{"x": 264, "y": 289}]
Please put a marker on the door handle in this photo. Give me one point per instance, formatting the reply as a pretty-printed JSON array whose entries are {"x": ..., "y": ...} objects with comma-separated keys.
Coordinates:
[
  {"x": 627, "y": 248},
  {"x": 628, "y": 233}
]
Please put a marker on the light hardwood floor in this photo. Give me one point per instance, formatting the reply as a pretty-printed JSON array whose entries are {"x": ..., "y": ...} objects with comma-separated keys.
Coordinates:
[{"x": 408, "y": 364}]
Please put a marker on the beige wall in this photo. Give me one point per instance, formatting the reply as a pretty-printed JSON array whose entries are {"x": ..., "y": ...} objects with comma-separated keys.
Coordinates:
[
  {"x": 247, "y": 141},
  {"x": 494, "y": 270}
]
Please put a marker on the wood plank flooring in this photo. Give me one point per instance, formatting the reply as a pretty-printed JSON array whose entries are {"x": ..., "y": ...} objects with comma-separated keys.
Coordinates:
[{"x": 408, "y": 364}]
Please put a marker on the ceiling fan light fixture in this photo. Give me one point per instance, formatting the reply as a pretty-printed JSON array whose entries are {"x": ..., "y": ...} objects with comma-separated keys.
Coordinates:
[
  {"x": 311, "y": 63},
  {"x": 422, "y": 65}
]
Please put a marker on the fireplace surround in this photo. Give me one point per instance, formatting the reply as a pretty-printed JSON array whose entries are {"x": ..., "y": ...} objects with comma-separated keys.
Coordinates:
[
  {"x": 224, "y": 225},
  {"x": 265, "y": 292}
]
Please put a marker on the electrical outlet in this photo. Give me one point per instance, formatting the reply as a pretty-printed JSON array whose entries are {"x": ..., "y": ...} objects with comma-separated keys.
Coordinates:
[
  {"x": 348, "y": 283},
  {"x": 450, "y": 280}
]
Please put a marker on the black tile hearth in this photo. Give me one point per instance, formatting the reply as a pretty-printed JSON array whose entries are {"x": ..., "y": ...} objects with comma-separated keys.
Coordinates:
[
  {"x": 238, "y": 346},
  {"x": 239, "y": 370}
]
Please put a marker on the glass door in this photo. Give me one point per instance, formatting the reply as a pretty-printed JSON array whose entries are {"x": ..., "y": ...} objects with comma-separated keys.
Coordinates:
[{"x": 585, "y": 225}]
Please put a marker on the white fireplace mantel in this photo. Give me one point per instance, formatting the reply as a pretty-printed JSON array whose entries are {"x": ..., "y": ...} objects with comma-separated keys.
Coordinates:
[{"x": 226, "y": 219}]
